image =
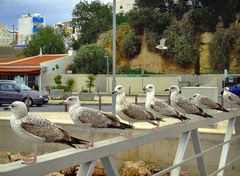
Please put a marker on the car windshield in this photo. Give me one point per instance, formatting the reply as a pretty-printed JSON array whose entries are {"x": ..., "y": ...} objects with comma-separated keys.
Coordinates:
[{"x": 24, "y": 87}]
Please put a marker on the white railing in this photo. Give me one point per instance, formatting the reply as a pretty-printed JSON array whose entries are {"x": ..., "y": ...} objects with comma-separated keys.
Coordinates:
[{"x": 103, "y": 150}]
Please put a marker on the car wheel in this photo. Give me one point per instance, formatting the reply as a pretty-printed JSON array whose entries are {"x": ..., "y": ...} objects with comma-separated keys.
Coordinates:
[
  {"x": 28, "y": 101},
  {"x": 39, "y": 104}
]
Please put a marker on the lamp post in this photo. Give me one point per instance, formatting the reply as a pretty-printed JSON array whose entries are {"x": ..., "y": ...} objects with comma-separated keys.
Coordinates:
[
  {"x": 114, "y": 58},
  {"x": 106, "y": 56}
]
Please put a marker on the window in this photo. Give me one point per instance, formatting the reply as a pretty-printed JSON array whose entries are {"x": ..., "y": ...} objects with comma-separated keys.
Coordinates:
[{"x": 7, "y": 87}]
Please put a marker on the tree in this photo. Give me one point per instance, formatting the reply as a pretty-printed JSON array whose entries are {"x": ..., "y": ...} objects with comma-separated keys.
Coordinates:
[
  {"x": 90, "y": 82},
  {"x": 131, "y": 46},
  {"x": 46, "y": 38},
  {"x": 92, "y": 19},
  {"x": 90, "y": 59}
]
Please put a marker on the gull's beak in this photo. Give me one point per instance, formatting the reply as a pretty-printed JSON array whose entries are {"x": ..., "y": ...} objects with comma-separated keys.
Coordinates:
[
  {"x": 113, "y": 92},
  {"x": 7, "y": 108},
  {"x": 167, "y": 90},
  {"x": 144, "y": 89},
  {"x": 190, "y": 98},
  {"x": 63, "y": 103},
  {"x": 180, "y": 91}
]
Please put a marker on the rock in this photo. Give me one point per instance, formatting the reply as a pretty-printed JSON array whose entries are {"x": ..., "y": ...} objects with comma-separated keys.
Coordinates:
[
  {"x": 139, "y": 168},
  {"x": 98, "y": 170},
  {"x": 16, "y": 157},
  {"x": 4, "y": 157},
  {"x": 71, "y": 171}
]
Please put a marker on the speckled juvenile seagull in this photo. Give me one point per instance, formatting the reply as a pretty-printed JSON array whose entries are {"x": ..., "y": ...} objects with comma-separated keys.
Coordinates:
[
  {"x": 91, "y": 118},
  {"x": 183, "y": 104},
  {"x": 159, "y": 107},
  {"x": 132, "y": 112},
  {"x": 37, "y": 130},
  {"x": 206, "y": 102},
  {"x": 230, "y": 97}
]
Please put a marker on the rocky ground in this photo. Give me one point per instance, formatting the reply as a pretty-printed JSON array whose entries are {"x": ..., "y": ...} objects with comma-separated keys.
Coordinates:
[{"x": 127, "y": 168}]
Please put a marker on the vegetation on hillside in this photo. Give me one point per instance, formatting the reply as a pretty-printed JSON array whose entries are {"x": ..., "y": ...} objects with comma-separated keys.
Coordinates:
[
  {"x": 90, "y": 59},
  {"x": 48, "y": 39}
]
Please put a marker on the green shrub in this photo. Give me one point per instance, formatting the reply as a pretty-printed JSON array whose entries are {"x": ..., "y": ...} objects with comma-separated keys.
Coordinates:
[
  {"x": 203, "y": 19},
  {"x": 224, "y": 43},
  {"x": 58, "y": 79},
  {"x": 182, "y": 45},
  {"x": 90, "y": 83},
  {"x": 69, "y": 85},
  {"x": 131, "y": 46},
  {"x": 151, "y": 40}
]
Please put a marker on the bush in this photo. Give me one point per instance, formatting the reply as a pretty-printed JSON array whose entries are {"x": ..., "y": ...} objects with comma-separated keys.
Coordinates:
[
  {"x": 182, "y": 45},
  {"x": 58, "y": 79},
  {"x": 151, "y": 40},
  {"x": 90, "y": 59},
  {"x": 131, "y": 46},
  {"x": 69, "y": 85},
  {"x": 224, "y": 43},
  {"x": 203, "y": 19}
]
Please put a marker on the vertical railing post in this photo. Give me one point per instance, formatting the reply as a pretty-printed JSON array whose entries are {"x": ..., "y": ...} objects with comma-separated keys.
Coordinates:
[
  {"x": 197, "y": 149},
  {"x": 86, "y": 169},
  {"x": 182, "y": 145},
  {"x": 100, "y": 102},
  {"x": 110, "y": 166},
  {"x": 225, "y": 147},
  {"x": 136, "y": 99},
  {"x": 65, "y": 108}
]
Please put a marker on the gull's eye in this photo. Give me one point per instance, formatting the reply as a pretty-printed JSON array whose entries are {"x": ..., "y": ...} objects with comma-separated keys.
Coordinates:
[
  {"x": 119, "y": 88},
  {"x": 150, "y": 87}
]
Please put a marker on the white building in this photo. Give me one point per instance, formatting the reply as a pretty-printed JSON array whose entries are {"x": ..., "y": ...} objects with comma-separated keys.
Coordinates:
[
  {"x": 29, "y": 24},
  {"x": 6, "y": 36},
  {"x": 123, "y": 5}
]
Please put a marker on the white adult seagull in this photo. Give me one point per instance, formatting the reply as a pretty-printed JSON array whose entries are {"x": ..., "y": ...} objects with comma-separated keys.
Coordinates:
[
  {"x": 183, "y": 104},
  {"x": 92, "y": 118},
  {"x": 37, "y": 130},
  {"x": 206, "y": 102},
  {"x": 159, "y": 107}
]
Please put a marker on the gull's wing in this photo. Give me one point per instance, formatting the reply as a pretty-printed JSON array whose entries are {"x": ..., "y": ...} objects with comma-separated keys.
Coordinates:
[
  {"x": 186, "y": 104},
  {"x": 163, "y": 108},
  {"x": 135, "y": 112},
  {"x": 42, "y": 128},
  {"x": 208, "y": 102}
]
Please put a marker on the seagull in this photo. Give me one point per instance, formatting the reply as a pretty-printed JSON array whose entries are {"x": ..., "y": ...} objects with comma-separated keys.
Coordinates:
[
  {"x": 159, "y": 107},
  {"x": 91, "y": 118},
  {"x": 230, "y": 97},
  {"x": 183, "y": 104},
  {"x": 161, "y": 45},
  {"x": 132, "y": 112},
  {"x": 38, "y": 130},
  {"x": 206, "y": 102}
]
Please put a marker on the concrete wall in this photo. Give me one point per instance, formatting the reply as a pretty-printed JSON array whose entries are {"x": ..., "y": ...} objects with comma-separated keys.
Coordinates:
[
  {"x": 160, "y": 153},
  {"x": 136, "y": 82}
]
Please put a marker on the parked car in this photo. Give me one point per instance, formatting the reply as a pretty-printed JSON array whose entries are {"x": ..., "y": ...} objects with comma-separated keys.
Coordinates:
[
  {"x": 235, "y": 89},
  {"x": 232, "y": 80},
  {"x": 11, "y": 91}
]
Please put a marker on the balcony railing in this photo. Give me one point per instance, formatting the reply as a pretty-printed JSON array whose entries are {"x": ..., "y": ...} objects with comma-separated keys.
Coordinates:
[{"x": 104, "y": 150}]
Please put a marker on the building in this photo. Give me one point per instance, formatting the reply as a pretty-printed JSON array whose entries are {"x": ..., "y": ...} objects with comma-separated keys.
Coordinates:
[
  {"x": 70, "y": 32},
  {"x": 29, "y": 24},
  {"x": 124, "y": 5},
  {"x": 6, "y": 36},
  {"x": 30, "y": 69}
]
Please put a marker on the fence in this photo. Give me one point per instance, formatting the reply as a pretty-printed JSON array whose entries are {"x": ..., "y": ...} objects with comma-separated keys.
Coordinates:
[{"x": 104, "y": 150}]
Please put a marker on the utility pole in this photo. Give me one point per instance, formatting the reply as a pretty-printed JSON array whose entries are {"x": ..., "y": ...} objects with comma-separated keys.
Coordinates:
[
  {"x": 13, "y": 35},
  {"x": 114, "y": 59}
]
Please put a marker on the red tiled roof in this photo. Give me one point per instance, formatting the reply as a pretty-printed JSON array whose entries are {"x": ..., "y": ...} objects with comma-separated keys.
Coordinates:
[
  {"x": 30, "y": 60},
  {"x": 17, "y": 70},
  {"x": 29, "y": 64}
]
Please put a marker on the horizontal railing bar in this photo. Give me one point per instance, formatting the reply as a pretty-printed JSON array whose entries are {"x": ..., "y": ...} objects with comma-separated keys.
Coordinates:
[
  {"x": 195, "y": 156},
  {"x": 62, "y": 159},
  {"x": 226, "y": 165}
]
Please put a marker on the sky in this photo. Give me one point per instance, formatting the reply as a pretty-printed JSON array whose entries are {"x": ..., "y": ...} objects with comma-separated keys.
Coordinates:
[{"x": 52, "y": 10}]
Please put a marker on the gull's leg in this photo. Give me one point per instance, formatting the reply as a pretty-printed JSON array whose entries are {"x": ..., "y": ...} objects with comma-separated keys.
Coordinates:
[{"x": 32, "y": 158}]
